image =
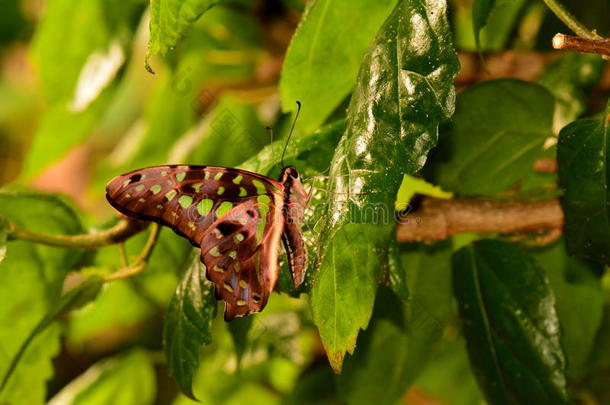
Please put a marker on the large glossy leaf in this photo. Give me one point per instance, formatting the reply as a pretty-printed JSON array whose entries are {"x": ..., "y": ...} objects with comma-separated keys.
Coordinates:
[
  {"x": 322, "y": 61},
  {"x": 584, "y": 175},
  {"x": 576, "y": 286},
  {"x": 510, "y": 324},
  {"x": 187, "y": 325},
  {"x": 30, "y": 282},
  {"x": 170, "y": 20},
  {"x": 498, "y": 132},
  {"x": 404, "y": 90},
  {"x": 122, "y": 380}
]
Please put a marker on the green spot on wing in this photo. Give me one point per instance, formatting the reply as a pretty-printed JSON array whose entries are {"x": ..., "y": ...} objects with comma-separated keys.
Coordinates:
[
  {"x": 185, "y": 201},
  {"x": 224, "y": 208},
  {"x": 242, "y": 192},
  {"x": 260, "y": 187},
  {"x": 180, "y": 176},
  {"x": 155, "y": 189},
  {"x": 238, "y": 179},
  {"x": 264, "y": 199},
  {"x": 170, "y": 195},
  {"x": 140, "y": 187},
  {"x": 221, "y": 190},
  {"x": 218, "y": 176},
  {"x": 205, "y": 206}
]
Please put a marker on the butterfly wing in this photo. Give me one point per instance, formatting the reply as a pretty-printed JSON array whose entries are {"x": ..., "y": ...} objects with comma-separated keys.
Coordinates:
[{"x": 234, "y": 216}]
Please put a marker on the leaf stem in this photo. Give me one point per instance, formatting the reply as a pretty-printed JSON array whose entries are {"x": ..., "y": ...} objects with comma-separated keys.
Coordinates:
[
  {"x": 122, "y": 231},
  {"x": 570, "y": 20},
  {"x": 141, "y": 261}
]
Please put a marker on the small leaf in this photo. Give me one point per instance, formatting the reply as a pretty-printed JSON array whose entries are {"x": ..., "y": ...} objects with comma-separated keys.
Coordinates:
[
  {"x": 125, "y": 379},
  {"x": 584, "y": 175},
  {"x": 480, "y": 13},
  {"x": 498, "y": 131},
  {"x": 510, "y": 324},
  {"x": 170, "y": 20},
  {"x": 392, "y": 123},
  {"x": 414, "y": 185},
  {"x": 75, "y": 298},
  {"x": 322, "y": 61},
  {"x": 187, "y": 325},
  {"x": 239, "y": 328}
]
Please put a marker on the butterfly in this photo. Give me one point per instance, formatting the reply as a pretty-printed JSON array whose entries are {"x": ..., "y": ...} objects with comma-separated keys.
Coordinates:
[{"x": 235, "y": 217}]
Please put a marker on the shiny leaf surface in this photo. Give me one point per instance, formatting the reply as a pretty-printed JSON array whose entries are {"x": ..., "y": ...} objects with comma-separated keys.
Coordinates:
[
  {"x": 170, "y": 20},
  {"x": 584, "y": 176},
  {"x": 510, "y": 324},
  {"x": 404, "y": 90}
]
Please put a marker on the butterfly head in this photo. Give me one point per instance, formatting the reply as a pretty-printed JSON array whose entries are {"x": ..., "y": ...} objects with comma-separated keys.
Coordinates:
[{"x": 289, "y": 175}]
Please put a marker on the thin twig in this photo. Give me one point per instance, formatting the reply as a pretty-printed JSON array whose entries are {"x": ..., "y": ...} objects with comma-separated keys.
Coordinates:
[
  {"x": 569, "y": 19},
  {"x": 122, "y": 231},
  {"x": 141, "y": 261},
  {"x": 438, "y": 219},
  {"x": 598, "y": 45}
]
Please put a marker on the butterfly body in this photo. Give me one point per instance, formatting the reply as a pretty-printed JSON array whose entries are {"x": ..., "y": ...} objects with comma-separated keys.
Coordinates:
[{"x": 236, "y": 217}]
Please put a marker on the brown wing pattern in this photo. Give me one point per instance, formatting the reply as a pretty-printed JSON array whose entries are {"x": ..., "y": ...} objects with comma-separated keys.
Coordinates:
[{"x": 234, "y": 216}]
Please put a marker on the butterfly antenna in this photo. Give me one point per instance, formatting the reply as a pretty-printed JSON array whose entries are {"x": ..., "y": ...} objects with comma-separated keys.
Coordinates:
[{"x": 291, "y": 130}]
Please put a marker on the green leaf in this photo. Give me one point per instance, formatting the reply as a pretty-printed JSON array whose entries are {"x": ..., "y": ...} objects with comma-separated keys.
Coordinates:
[
  {"x": 187, "y": 325},
  {"x": 73, "y": 299},
  {"x": 480, "y": 13},
  {"x": 510, "y": 324},
  {"x": 414, "y": 185},
  {"x": 239, "y": 328},
  {"x": 122, "y": 380},
  {"x": 392, "y": 123},
  {"x": 31, "y": 277},
  {"x": 576, "y": 286},
  {"x": 170, "y": 20},
  {"x": 570, "y": 79},
  {"x": 402, "y": 337},
  {"x": 376, "y": 373},
  {"x": 493, "y": 21},
  {"x": 59, "y": 50},
  {"x": 584, "y": 173},
  {"x": 47, "y": 147},
  {"x": 498, "y": 131},
  {"x": 322, "y": 61},
  {"x": 343, "y": 295}
]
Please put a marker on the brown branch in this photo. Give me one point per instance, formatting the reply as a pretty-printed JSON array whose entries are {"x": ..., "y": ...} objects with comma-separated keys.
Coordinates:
[
  {"x": 438, "y": 219},
  {"x": 588, "y": 45}
]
